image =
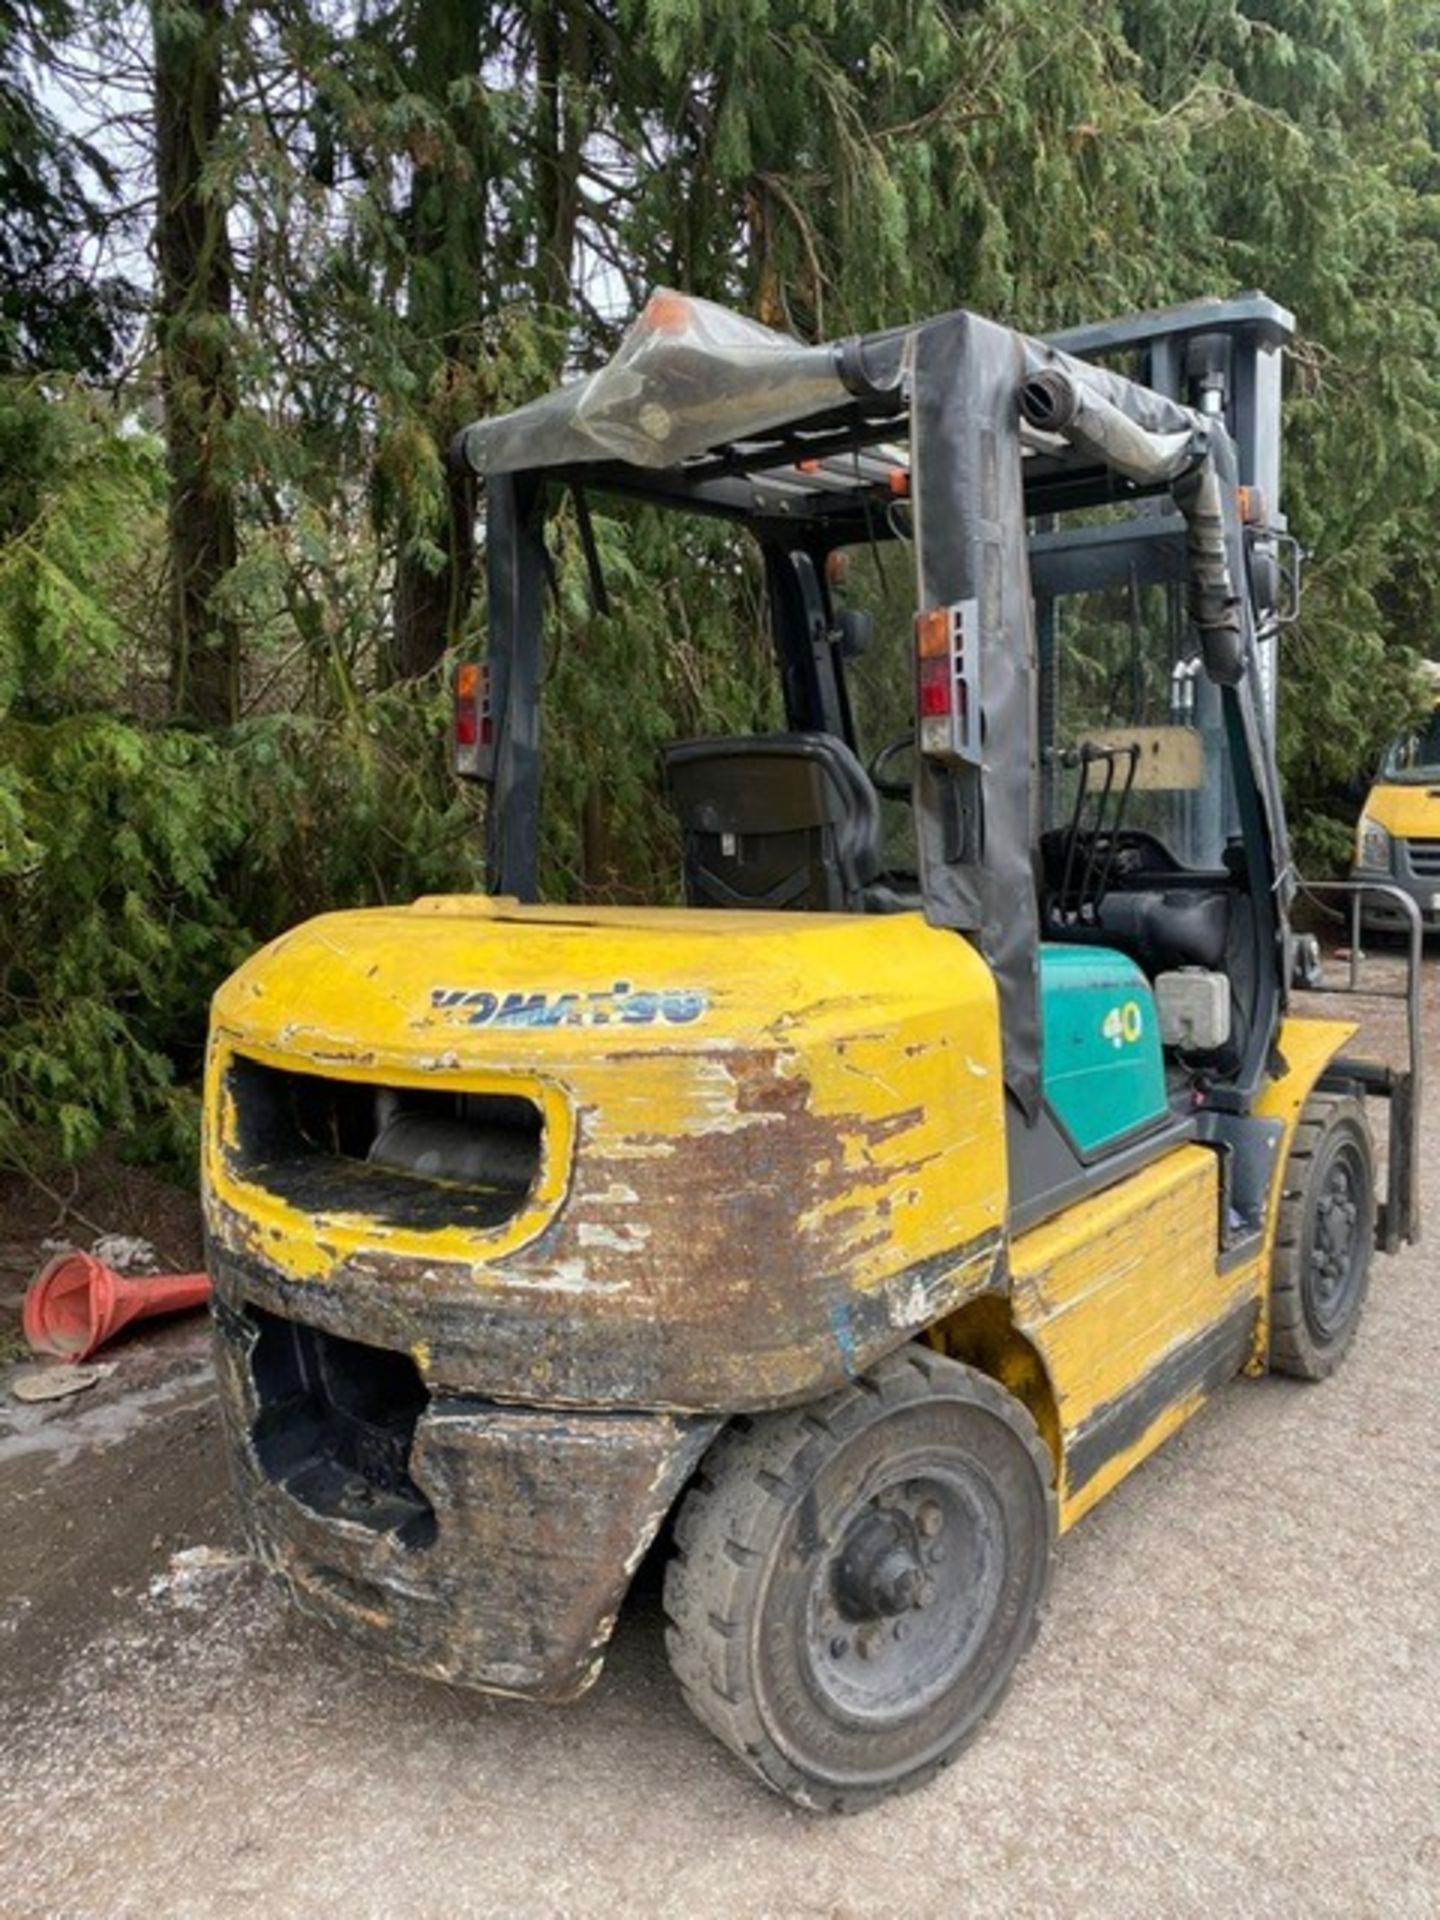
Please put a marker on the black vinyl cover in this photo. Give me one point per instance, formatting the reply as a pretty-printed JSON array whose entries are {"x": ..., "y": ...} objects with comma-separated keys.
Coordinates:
[{"x": 976, "y": 826}]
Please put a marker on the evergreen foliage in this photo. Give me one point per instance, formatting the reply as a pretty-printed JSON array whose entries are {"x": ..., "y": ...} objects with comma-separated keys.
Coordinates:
[
  {"x": 408, "y": 213},
  {"x": 56, "y": 313}
]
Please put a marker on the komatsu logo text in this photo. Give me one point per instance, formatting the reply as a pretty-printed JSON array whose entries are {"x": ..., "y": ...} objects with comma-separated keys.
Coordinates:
[{"x": 620, "y": 1006}]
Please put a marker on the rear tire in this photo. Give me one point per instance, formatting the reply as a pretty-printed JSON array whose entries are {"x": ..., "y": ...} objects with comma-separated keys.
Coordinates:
[
  {"x": 854, "y": 1582},
  {"x": 1324, "y": 1240}
]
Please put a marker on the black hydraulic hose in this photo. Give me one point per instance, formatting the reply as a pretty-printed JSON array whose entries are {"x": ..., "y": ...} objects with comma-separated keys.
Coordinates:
[
  {"x": 1213, "y": 604},
  {"x": 1047, "y": 400}
]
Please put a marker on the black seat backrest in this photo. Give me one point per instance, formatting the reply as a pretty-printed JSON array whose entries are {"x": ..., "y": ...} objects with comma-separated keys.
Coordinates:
[{"x": 775, "y": 820}]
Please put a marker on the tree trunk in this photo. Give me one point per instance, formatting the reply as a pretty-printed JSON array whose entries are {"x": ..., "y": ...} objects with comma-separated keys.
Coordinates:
[
  {"x": 430, "y": 603},
  {"x": 562, "y": 70},
  {"x": 445, "y": 292},
  {"x": 193, "y": 254}
]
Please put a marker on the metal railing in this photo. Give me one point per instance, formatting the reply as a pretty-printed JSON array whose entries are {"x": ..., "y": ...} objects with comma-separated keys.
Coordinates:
[{"x": 1399, "y": 1214}]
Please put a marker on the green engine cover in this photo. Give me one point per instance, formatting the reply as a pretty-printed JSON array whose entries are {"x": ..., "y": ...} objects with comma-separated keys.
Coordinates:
[{"x": 1100, "y": 1038}]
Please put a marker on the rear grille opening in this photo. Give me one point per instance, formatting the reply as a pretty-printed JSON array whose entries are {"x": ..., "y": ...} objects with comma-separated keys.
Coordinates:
[
  {"x": 405, "y": 1156},
  {"x": 335, "y": 1427}
]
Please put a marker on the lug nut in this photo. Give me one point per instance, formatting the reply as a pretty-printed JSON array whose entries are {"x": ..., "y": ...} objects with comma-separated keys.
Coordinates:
[
  {"x": 839, "y": 1647},
  {"x": 865, "y": 1643},
  {"x": 935, "y": 1556},
  {"x": 930, "y": 1519}
]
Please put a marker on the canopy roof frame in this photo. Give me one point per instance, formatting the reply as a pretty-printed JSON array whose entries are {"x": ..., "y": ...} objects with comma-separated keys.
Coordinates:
[{"x": 709, "y": 412}]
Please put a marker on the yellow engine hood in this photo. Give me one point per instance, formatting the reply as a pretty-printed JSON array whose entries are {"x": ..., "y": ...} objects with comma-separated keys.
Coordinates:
[
  {"x": 502, "y": 982},
  {"x": 772, "y": 1144}
]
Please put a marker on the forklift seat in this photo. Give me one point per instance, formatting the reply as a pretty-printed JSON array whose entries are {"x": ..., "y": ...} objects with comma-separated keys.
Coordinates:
[{"x": 786, "y": 820}]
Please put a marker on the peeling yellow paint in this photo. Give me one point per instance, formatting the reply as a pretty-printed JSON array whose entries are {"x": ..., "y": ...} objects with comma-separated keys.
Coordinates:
[
  {"x": 1168, "y": 1421},
  {"x": 1109, "y": 1290},
  {"x": 734, "y": 1158}
]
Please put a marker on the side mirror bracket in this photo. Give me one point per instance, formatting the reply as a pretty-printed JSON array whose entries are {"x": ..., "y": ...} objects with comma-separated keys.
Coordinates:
[{"x": 854, "y": 632}]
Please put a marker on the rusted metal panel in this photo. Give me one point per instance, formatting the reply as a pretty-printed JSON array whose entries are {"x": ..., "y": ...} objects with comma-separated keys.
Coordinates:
[
  {"x": 735, "y": 1340},
  {"x": 540, "y": 1520},
  {"x": 772, "y": 1150}
]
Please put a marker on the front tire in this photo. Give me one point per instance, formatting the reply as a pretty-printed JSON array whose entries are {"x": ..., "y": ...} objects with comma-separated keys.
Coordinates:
[
  {"x": 854, "y": 1582},
  {"x": 1324, "y": 1239}
]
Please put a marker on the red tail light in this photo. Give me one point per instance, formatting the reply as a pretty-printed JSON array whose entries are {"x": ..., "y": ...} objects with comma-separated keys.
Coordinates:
[
  {"x": 474, "y": 726},
  {"x": 946, "y": 680},
  {"x": 937, "y": 689}
]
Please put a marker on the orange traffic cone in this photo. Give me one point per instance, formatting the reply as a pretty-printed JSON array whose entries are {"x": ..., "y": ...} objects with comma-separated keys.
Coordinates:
[{"x": 78, "y": 1303}]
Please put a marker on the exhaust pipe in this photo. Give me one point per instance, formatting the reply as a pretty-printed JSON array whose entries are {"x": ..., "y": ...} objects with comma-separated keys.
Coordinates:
[{"x": 458, "y": 1149}]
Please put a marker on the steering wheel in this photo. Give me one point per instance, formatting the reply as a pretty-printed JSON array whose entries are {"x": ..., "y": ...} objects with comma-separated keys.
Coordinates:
[{"x": 891, "y": 789}]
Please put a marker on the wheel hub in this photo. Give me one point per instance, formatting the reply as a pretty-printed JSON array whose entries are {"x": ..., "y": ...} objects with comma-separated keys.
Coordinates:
[
  {"x": 904, "y": 1594},
  {"x": 880, "y": 1573},
  {"x": 1335, "y": 1248}
]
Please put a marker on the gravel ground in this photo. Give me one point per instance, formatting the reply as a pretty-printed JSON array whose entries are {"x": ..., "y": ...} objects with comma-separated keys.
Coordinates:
[{"x": 1233, "y": 1706}]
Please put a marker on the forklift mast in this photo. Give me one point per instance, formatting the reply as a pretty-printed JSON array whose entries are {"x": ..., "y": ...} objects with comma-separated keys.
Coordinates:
[{"x": 1223, "y": 358}]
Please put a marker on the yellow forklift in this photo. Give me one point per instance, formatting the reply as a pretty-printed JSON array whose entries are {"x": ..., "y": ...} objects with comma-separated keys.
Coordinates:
[
  {"x": 847, "y": 1231},
  {"x": 1397, "y": 838}
]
